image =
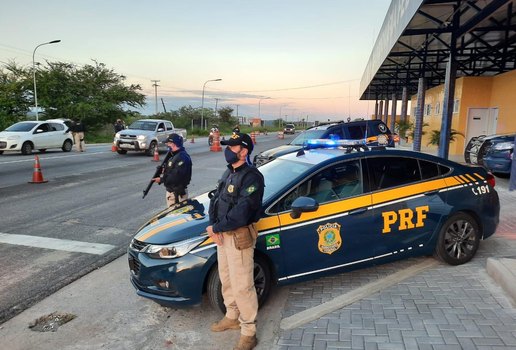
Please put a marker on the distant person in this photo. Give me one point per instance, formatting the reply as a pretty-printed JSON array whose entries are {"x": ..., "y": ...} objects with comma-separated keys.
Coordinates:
[
  {"x": 78, "y": 129},
  {"x": 178, "y": 171},
  {"x": 119, "y": 125}
]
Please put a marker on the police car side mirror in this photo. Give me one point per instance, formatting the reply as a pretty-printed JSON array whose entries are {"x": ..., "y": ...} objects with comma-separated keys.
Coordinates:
[{"x": 303, "y": 205}]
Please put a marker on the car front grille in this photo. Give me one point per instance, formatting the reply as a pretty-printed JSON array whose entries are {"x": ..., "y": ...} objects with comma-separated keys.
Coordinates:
[
  {"x": 138, "y": 245},
  {"x": 134, "y": 264},
  {"x": 3, "y": 144},
  {"x": 130, "y": 137}
]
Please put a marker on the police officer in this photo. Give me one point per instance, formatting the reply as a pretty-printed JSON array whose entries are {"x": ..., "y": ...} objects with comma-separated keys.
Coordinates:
[
  {"x": 234, "y": 208},
  {"x": 177, "y": 172}
]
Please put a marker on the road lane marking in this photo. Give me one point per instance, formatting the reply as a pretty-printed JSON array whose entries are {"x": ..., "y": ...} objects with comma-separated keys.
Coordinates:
[
  {"x": 57, "y": 157},
  {"x": 355, "y": 295},
  {"x": 56, "y": 244}
]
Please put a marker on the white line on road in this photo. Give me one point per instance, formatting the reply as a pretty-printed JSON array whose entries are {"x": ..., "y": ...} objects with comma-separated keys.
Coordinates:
[
  {"x": 56, "y": 244},
  {"x": 56, "y": 157}
]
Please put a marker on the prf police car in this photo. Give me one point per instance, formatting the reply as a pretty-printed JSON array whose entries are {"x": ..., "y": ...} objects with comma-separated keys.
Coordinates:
[{"x": 325, "y": 211}]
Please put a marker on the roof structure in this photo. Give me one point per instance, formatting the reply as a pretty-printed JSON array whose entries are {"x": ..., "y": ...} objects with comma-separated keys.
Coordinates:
[{"x": 415, "y": 42}]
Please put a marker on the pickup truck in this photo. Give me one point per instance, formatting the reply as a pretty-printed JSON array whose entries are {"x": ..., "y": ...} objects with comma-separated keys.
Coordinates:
[{"x": 145, "y": 135}]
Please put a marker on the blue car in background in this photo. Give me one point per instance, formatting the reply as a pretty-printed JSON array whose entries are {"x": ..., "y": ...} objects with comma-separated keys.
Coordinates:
[{"x": 498, "y": 157}]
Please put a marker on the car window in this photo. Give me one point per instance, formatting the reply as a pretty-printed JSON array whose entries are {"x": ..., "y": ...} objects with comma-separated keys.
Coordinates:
[
  {"x": 169, "y": 126},
  {"x": 307, "y": 135},
  {"x": 22, "y": 127},
  {"x": 56, "y": 126},
  {"x": 161, "y": 126},
  {"x": 336, "y": 133},
  {"x": 428, "y": 169},
  {"x": 143, "y": 125},
  {"x": 356, "y": 132},
  {"x": 387, "y": 172},
  {"x": 44, "y": 127},
  {"x": 339, "y": 181},
  {"x": 279, "y": 173}
]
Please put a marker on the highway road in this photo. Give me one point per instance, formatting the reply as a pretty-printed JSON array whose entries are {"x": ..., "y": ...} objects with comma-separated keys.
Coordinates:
[{"x": 84, "y": 216}]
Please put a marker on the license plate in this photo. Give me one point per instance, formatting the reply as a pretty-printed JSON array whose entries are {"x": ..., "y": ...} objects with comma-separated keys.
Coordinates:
[{"x": 126, "y": 145}]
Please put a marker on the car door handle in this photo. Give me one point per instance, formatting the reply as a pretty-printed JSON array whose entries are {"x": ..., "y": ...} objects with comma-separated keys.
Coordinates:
[
  {"x": 358, "y": 211},
  {"x": 431, "y": 193}
]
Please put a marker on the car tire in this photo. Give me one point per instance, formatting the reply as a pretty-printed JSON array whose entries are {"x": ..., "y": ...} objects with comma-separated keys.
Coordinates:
[
  {"x": 262, "y": 282},
  {"x": 27, "y": 148},
  {"x": 150, "y": 151},
  {"x": 67, "y": 146},
  {"x": 121, "y": 151},
  {"x": 1, "y": 152},
  {"x": 458, "y": 240}
]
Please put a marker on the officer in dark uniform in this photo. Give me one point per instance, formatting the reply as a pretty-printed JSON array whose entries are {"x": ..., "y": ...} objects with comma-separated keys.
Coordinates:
[
  {"x": 234, "y": 208},
  {"x": 177, "y": 172}
]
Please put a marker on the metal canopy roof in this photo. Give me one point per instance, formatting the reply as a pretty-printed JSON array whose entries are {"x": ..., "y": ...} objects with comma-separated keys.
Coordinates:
[{"x": 414, "y": 42}]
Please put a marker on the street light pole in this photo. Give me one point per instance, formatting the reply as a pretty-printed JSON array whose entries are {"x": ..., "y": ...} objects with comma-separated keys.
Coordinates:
[
  {"x": 156, "y": 93},
  {"x": 34, "y": 72},
  {"x": 260, "y": 101},
  {"x": 202, "y": 103}
]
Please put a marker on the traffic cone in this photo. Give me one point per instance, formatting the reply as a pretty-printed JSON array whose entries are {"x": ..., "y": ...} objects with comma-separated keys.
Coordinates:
[
  {"x": 192, "y": 140},
  {"x": 215, "y": 146},
  {"x": 113, "y": 147},
  {"x": 37, "y": 176},
  {"x": 253, "y": 137},
  {"x": 156, "y": 154}
]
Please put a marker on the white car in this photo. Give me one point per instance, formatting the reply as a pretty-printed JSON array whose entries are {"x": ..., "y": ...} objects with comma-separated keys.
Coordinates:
[{"x": 41, "y": 135}]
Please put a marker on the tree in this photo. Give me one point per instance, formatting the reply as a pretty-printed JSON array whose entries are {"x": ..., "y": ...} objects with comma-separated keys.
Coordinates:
[
  {"x": 93, "y": 93},
  {"x": 15, "y": 99},
  {"x": 436, "y": 136},
  {"x": 226, "y": 117}
]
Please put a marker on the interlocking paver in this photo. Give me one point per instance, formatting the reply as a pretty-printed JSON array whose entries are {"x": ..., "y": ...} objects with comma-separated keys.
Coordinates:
[{"x": 443, "y": 308}]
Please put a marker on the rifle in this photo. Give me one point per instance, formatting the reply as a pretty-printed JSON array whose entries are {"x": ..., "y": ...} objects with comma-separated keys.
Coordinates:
[{"x": 157, "y": 173}]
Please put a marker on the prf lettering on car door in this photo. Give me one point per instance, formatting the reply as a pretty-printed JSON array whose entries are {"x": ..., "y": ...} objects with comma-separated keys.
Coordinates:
[{"x": 406, "y": 218}]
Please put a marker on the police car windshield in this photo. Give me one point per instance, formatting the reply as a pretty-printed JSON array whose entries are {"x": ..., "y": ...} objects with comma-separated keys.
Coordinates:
[
  {"x": 279, "y": 173},
  {"x": 21, "y": 127},
  {"x": 307, "y": 135}
]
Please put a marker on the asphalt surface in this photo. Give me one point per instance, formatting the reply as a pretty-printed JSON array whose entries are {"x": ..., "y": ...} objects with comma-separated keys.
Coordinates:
[{"x": 410, "y": 304}]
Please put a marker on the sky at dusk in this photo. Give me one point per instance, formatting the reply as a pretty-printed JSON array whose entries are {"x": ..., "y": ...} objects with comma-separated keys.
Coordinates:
[{"x": 291, "y": 58}]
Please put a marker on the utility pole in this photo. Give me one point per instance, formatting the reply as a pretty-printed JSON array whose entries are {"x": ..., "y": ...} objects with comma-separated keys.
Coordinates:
[
  {"x": 216, "y": 104},
  {"x": 156, "y": 93}
]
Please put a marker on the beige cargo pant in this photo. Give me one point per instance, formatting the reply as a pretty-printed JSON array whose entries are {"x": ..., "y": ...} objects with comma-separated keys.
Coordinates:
[
  {"x": 171, "y": 199},
  {"x": 78, "y": 139},
  {"x": 236, "y": 274}
]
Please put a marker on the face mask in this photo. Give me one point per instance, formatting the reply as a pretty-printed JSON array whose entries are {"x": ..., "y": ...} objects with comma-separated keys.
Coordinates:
[{"x": 231, "y": 157}]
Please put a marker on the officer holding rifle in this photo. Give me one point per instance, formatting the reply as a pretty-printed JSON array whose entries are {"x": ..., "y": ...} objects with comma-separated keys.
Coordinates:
[{"x": 177, "y": 171}]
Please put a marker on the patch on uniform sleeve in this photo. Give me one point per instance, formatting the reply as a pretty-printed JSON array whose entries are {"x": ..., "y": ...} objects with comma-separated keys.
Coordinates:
[
  {"x": 180, "y": 163},
  {"x": 250, "y": 189}
]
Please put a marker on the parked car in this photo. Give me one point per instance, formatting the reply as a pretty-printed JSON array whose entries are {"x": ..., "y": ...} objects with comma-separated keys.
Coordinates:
[
  {"x": 27, "y": 136},
  {"x": 499, "y": 147},
  {"x": 498, "y": 157},
  {"x": 145, "y": 135},
  {"x": 373, "y": 132},
  {"x": 325, "y": 211},
  {"x": 289, "y": 129}
]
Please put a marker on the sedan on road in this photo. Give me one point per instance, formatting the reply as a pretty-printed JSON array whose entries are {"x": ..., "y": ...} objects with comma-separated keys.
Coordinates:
[{"x": 331, "y": 207}]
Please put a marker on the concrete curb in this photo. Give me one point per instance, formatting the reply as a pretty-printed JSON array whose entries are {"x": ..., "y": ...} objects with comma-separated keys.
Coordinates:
[{"x": 503, "y": 271}]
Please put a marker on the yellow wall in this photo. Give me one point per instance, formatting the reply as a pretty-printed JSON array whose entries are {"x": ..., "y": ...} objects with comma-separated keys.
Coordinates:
[{"x": 472, "y": 92}]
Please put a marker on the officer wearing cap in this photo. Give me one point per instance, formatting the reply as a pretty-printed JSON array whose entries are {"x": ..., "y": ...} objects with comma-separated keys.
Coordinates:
[
  {"x": 235, "y": 206},
  {"x": 177, "y": 172}
]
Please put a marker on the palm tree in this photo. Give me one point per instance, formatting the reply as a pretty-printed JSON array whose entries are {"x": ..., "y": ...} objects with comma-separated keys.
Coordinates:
[{"x": 436, "y": 136}]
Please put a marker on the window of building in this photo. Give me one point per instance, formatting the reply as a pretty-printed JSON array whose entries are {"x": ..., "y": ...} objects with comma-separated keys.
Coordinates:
[
  {"x": 456, "y": 106},
  {"x": 437, "y": 108},
  {"x": 428, "y": 109}
]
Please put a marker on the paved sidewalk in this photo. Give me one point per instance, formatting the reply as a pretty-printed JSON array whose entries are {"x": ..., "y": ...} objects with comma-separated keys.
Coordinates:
[{"x": 443, "y": 308}]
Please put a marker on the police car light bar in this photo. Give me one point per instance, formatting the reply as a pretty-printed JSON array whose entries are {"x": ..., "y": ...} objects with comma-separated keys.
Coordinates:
[{"x": 329, "y": 143}]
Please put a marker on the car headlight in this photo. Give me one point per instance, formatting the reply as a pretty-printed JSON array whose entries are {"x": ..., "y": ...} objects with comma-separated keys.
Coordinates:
[
  {"x": 173, "y": 250},
  {"x": 503, "y": 146},
  {"x": 13, "y": 137},
  {"x": 141, "y": 137},
  {"x": 117, "y": 135}
]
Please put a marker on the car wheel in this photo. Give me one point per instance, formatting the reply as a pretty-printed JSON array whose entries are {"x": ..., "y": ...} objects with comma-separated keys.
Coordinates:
[
  {"x": 67, "y": 146},
  {"x": 26, "y": 148},
  {"x": 262, "y": 283},
  {"x": 121, "y": 151},
  {"x": 210, "y": 140},
  {"x": 150, "y": 151},
  {"x": 458, "y": 240}
]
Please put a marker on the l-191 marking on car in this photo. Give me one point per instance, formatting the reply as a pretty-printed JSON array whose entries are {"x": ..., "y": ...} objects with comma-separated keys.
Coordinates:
[
  {"x": 27, "y": 136},
  {"x": 325, "y": 211}
]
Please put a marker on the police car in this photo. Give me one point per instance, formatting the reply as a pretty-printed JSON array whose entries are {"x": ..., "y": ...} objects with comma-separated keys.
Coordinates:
[{"x": 325, "y": 211}]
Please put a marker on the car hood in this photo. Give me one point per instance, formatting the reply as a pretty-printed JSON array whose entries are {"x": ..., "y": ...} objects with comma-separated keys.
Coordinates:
[
  {"x": 6, "y": 134},
  {"x": 279, "y": 151},
  {"x": 136, "y": 132},
  {"x": 177, "y": 223}
]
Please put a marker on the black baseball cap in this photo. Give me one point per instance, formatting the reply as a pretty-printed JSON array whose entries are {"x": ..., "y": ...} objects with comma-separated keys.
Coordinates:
[
  {"x": 176, "y": 139},
  {"x": 239, "y": 138}
]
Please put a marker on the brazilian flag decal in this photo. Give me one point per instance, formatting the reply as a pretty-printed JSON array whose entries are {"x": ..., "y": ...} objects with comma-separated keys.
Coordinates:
[{"x": 273, "y": 241}]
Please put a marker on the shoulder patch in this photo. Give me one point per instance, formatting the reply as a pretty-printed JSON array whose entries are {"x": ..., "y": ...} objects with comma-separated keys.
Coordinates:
[
  {"x": 180, "y": 163},
  {"x": 250, "y": 189}
]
